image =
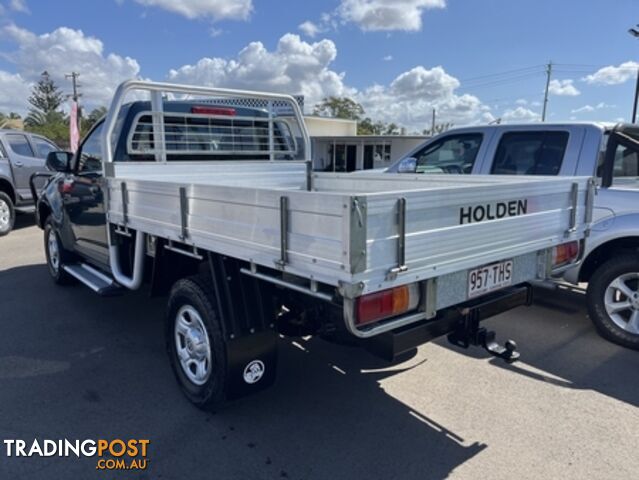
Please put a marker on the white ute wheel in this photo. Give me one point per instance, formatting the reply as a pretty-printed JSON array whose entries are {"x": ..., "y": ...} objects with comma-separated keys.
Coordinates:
[{"x": 613, "y": 300}]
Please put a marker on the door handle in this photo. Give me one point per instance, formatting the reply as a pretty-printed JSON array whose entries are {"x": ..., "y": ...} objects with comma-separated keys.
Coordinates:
[{"x": 18, "y": 163}]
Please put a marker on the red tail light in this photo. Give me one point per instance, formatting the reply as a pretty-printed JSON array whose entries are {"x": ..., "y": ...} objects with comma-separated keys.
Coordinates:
[
  {"x": 386, "y": 304},
  {"x": 201, "y": 110},
  {"x": 65, "y": 186},
  {"x": 565, "y": 254}
]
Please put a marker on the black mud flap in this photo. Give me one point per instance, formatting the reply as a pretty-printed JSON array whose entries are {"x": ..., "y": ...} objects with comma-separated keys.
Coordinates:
[{"x": 252, "y": 363}]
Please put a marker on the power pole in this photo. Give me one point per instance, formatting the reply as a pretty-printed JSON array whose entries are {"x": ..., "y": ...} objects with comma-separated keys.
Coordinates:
[
  {"x": 74, "y": 80},
  {"x": 635, "y": 33},
  {"x": 634, "y": 105},
  {"x": 76, "y": 96},
  {"x": 433, "y": 127},
  {"x": 548, "y": 74}
]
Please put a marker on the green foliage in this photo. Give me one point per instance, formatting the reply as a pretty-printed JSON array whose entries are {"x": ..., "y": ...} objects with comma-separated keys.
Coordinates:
[
  {"x": 54, "y": 126},
  {"x": 349, "y": 109},
  {"x": 46, "y": 97},
  {"x": 45, "y": 118},
  {"x": 368, "y": 127},
  {"x": 93, "y": 117},
  {"x": 339, "y": 107}
]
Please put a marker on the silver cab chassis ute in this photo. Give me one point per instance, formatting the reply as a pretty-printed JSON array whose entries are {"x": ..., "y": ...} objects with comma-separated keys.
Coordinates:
[{"x": 209, "y": 199}]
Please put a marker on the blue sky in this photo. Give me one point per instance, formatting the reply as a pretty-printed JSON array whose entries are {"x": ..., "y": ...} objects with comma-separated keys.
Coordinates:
[{"x": 472, "y": 60}]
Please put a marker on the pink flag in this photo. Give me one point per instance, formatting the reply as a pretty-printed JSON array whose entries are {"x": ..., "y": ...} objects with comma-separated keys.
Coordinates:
[{"x": 74, "y": 133}]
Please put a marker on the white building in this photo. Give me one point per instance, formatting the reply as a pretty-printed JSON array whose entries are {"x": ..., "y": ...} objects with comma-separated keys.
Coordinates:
[{"x": 346, "y": 153}]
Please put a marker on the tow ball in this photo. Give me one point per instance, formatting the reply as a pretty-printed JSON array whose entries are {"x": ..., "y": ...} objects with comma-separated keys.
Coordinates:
[{"x": 470, "y": 333}]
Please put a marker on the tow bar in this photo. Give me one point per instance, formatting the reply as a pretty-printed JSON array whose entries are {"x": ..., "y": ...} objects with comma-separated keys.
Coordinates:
[
  {"x": 462, "y": 325},
  {"x": 470, "y": 333}
]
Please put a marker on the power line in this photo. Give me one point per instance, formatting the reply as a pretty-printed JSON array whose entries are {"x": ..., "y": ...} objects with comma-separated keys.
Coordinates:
[
  {"x": 503, "y": 81},
  {"x": 508, "y": 72}
]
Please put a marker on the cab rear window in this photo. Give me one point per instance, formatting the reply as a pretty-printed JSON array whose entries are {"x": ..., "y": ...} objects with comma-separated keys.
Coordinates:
[
  {"x": 530, "y": 153},
  {"x": 193, "y": 135}
]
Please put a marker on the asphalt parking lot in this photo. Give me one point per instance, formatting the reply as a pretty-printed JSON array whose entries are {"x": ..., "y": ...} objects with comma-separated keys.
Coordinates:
[{"x": 76, "y": 366}]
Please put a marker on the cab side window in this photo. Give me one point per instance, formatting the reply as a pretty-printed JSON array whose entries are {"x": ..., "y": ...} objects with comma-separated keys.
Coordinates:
[
  {"x": 626, "y": 165},
  {"x": 43, "y": 148},
  {"x": 90, "y": 153},
  {"x": 530, "y": 153},
  {"x": 19, "y": 144},
  {"x": 451, "y": 154}
]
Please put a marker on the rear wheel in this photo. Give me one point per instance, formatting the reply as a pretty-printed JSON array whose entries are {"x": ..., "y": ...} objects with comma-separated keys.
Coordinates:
[
  {"x": 56, "y": 255},
  {"x": 7, "y": 214},
  {"x": 613, "y": 300},
  {"x": 195, "y": 342}
]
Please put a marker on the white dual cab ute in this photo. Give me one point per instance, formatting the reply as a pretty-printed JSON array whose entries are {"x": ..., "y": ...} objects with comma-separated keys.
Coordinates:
[
  {"x": 216, "y": 205},
  {"x": 609, "y": 153}
]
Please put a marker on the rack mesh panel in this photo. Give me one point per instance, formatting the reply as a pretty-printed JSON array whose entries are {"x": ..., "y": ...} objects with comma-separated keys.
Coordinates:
[{"x": 193, "y": 134}]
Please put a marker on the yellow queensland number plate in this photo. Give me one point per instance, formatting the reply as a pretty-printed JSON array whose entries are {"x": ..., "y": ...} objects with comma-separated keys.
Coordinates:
[{"x": 489, "y": 278}]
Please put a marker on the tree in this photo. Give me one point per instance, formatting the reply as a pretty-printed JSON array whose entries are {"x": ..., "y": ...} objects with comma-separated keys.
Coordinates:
[
  {"x": 369, "y": 127},
  {"x": 93, "y": 117},
  {"x": 46, "y": 118},
  {"x": 339, "y": 107},
  {"x": 349, "y": 109},
  {"x": 46, "y": 97}
]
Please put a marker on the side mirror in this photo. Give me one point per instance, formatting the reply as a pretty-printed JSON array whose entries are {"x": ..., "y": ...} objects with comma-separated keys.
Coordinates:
[
  {"x": 59, "y": 161},
  {"x": 407, "y": 165}
]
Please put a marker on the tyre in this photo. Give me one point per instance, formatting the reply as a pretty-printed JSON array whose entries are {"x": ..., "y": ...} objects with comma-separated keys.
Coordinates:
[
  {"x": 56, "y": 255},
  {"x": 613, "y": 300},
  {"x": 7, "y": 214},
  {"x": 195, "y": 343}
]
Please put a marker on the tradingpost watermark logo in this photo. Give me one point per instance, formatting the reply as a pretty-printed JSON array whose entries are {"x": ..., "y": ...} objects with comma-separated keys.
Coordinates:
[{"x": 114, "y": 454}]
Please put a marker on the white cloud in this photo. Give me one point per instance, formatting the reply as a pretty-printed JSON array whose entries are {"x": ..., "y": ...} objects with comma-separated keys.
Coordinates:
[
  {"x": 311, "y": 29},
  {"x": 375, "y": 15},
  {"x": 215, "y": 32},
  {"x": 294, "y": 67},
  {"x": 612, "y": 75},
  {"x": 299, "y": 67},
  {"x": 411, "y": 97},
  {"x": 14, "y": 91},
  {"x": 563, "y": 88},
  {"x": 590, "y": 108},
  {"x": 65, "y": 50},
  {"x": 521, "y": 101},
  {"x": 536, "y": 103},
  {"x": 584, "y": 109},
  {"x": 19, "y": 6},
  {"x": 388, "y": 58},
  {"x": 214, "y": 9},
  {"x": 520, "y": 115},
  {"x": 420, "y": 82}
]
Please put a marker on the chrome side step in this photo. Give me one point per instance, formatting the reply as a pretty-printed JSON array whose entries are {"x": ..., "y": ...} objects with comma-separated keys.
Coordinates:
[{"x": 94, "y": 279}]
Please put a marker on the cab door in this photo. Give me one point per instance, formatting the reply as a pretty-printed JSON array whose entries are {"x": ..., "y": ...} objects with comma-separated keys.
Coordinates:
[
  {"x": 83, "y": 199},
  {"x": 24, "y": 163}
]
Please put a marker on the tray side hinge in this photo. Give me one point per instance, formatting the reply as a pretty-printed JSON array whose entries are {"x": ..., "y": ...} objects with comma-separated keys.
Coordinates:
[
  {"x": 184, "y": 214},
  {"x": 284, "y": 220},
  {"x": 574, "y": 199},
  {"x": 401, "y": 241}
]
